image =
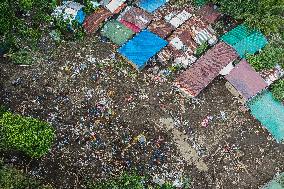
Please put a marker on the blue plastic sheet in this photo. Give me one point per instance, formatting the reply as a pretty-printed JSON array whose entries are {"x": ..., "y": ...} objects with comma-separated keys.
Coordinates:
[
  {"x": 142, "y": 47},
  {"x": 80, "y": 17},
  {"x": 151, "y": 5},
  {"x": 270, "y": 113}
]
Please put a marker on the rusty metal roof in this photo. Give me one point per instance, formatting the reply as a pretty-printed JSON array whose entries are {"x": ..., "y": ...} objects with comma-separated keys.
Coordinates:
[
  {"x": 205, "y": 69},
  {"x": 92, "y": 22},
  {"x": 137, "y": 16},
  {"x": 209, "y": 14},
  {"x": 161, "y": 28},
  {"x": 246, "y": 80}
]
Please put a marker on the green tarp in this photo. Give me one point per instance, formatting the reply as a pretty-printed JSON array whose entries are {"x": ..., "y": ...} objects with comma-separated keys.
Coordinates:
[
  {"x": 117, "y": 32},
  {"x": 270, "y": 113},
  {"x": 276, "y": 183},
  {"x": 250, "y": 44},
  {"x": 236, "y": 35}
]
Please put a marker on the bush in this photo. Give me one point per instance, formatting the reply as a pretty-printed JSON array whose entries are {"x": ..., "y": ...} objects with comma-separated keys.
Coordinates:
[
  {"x": 277, "y": 90},
  {"x": 267, "y": 59},
  {"x": 28, "y": 135},
  {"x": 13, "y": 178},
  {"x": 201, "y": 49}
]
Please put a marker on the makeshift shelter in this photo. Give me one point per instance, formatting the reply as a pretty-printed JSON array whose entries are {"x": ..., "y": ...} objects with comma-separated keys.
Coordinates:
[
  {"x": 161, "y": 28},
  {"x": 181, "y": 40},
  {"x": 70, "y": 11},
  {"x": 179, "y": 57},
  {"x": 151, "y": 5},
  {"x": 251, "y": 44},
  {"x": 205, "y": 69},
  {"x": 135, "y": 18},
  {"x": 176, "y": 16},
  {"x": 236, "y": 35},
  {"x": 246, "y": 80},
  {"x": 209, "y": 13},
  {"x": 141, "y": 48},
  {"x": 93, "y": 22},
  {"x": 114, "y": 6},
  {"x": 270, "y": 113},
  {"x": 116, "y": 32},
  {"x": 200, "y": 31}
]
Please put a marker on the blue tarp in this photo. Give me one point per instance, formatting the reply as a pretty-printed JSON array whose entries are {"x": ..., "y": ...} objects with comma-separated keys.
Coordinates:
[
  {"x": 270, "y": 113},
  {"x": 151, "y": 5},
  {"x": 251, "y": 44},
  {"x": 80, "y": 17},
  {"x": 142, "y": 47}
]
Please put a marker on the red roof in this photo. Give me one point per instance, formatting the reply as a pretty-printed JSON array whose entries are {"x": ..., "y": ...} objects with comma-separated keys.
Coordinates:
[
  {"x": 205, "y": 69},
  {"x": 246, "y": 80}
]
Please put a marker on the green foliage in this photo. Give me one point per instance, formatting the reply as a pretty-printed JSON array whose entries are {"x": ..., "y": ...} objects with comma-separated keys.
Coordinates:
[
  {"x": 271, "y": 55},
  {"x": 13, "y": 178},
  {"x": 3, "y": 109},
  {"x": 277, "y": 90},
  {"x": 128, "y": 181},
  {"x": 266, "y": 15},
  {"x": 281, "y": 181},
  {"x": 88, "y": 9},
  {"x": 29, "y": 135},
  {"x": 21, "y": 57},
  {"x": 201, "y": 49}
]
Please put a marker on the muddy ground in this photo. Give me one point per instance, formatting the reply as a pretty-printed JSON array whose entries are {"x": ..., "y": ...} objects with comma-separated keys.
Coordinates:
[{"x": 110, "y": 118}]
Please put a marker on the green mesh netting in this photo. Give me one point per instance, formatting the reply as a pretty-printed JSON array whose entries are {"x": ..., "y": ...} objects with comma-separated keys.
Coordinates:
[
  {"x": 276, "y": 183},
  {"x": 117, "y": 32},
  {"x": 236, "y": 35},
  {"x": 251, "y": 44},
  {"x": 270, "y": 113}
]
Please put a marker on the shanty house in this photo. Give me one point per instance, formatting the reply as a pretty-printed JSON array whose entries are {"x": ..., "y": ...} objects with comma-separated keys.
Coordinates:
[
  {"x": 135, "y": 18},
  {"x": 246, "y": 80},
  {"x": 94, "y": 21},
  {"x": 141, "y": 48},
  {"x": 209, "y": 13},
  {"x": 116, "y": 32},
  {"x": 205, "y": 69}
]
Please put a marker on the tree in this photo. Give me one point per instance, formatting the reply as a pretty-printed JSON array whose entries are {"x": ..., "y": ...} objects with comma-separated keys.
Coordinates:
[{"x": 266, "y": 15}]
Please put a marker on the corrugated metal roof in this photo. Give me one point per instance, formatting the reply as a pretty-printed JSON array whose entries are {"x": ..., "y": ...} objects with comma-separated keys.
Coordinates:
[
  {"x": 183, "y": 37},
  {"x": 236, "y": 35},
  {"x": 115, "y": 6},
  {"x": 141, "y": 48},
  {"x": 176, "y": 16},
  {"x": 151, "y": 5},
  {"x": 270, "y": 113},
  {"x": 246, "y": 80},
  {"x": 161, "y": 28},
  {"x": 116, "y": 32},
  {"x": 136, "y": 16},
  {"x": 199, "y": 31},
  {"x": 205, "y": 69},
  {"x": 209, "y": 13},
  {"x": 92, "y": 22},
  {"x": 251, "y": 44}
]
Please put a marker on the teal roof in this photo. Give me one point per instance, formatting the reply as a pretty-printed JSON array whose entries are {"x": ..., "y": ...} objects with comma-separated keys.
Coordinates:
[
  {"x": 270, "y": 113},
  {"x": 251, "y": 44},
  {"x": 276, "y": 183},
  {"x": 236, "y": 35}
]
